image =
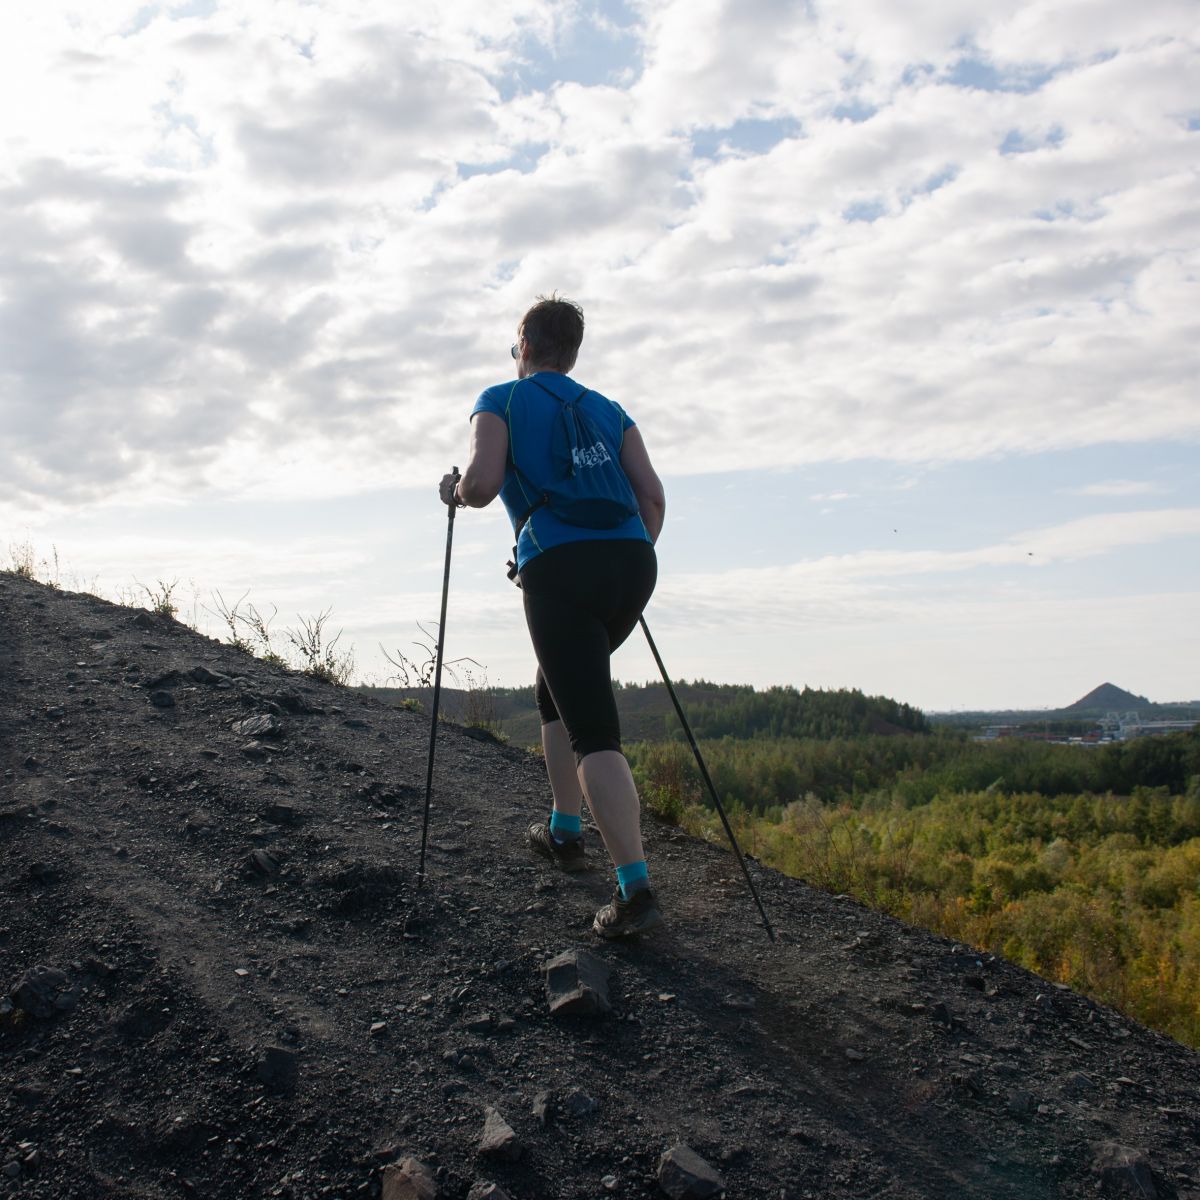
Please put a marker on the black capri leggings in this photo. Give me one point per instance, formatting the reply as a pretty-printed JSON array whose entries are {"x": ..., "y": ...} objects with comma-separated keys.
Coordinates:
[{"x": 582, "y": 600}]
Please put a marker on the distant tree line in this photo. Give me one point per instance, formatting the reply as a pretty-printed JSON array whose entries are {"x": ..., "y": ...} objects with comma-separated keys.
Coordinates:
[
  {"x": 734, "y": 710},
  {"x": 714, "y": 710}
]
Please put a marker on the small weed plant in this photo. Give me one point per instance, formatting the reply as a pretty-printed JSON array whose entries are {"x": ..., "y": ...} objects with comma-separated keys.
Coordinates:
[
  {"x": 25, "y": 563},
  {"x": 161, "y": 597},
  {"x": 478, "y": 699},
  {"x": 320, "y": 658}
]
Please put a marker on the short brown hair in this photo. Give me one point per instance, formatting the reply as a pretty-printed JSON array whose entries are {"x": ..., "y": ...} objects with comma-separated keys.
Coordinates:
[{"x": 553, "y": 329}]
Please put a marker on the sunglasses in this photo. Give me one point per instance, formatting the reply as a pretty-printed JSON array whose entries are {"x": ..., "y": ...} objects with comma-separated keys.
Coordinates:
[{"x": 515, "y": 352}]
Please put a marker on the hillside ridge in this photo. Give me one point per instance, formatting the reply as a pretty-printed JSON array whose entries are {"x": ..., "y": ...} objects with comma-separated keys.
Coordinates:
[{"x": 249, "y": 995}]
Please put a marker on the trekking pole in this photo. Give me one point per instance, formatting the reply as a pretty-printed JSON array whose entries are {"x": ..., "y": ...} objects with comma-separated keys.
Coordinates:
[
  {"x": 707, "y": 778},
  {"x": 437, "y": 685}
]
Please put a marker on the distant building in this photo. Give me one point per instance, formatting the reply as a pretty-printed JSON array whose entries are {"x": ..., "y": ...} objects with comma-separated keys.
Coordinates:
[{"x": 1136, "y": 729}]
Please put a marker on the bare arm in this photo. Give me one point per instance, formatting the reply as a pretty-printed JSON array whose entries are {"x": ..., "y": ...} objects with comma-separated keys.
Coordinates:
[
  {"x": 482, "y": 479},
  {"x": 647, "y": 487}
]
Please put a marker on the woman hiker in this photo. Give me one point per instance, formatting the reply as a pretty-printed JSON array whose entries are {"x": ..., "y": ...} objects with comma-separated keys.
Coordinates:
[{"x": 584, "y": 586}]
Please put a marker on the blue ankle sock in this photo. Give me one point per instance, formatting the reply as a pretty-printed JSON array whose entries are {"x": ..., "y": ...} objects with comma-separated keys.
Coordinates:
[
  {"x": 564, "y": 828},
  {"x": 633, "y": 877}
]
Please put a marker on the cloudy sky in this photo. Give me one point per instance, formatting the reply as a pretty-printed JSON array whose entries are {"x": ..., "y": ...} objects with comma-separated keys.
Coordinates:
[{"x": 903, "y": 298}]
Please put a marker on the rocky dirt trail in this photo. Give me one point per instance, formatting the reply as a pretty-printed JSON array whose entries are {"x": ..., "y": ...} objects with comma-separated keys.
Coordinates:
[{"x": 218, "y": 977}]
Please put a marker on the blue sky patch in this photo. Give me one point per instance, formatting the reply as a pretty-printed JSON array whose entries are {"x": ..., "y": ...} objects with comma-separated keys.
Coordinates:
[
  {"x": 938, "y": 179},
  {"x": 524, "y": 160},
  {"x": 1017, "y": 141},
  {"x": 864, "y": 210},
  {"x": 750, "y": 135},
  {"x": 601, "y": 46},
  {"x": 915, "y": 73},
  {"x": 855, "y": 111},
  {"x": 870, "y": 504},
  {"x": 978, "y": 74}
]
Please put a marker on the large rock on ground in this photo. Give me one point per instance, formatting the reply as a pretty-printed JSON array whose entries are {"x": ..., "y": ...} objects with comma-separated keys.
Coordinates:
[
  {"x": 481, "y": 1189},
  {"x": 202, "y": 674},
  {"x": 409, "y": 1179},
  {"x": 261, "y": 726},
  {"x": 1124, "y": 1170},
  {"x": 577, "y": 984},
  {"x": 684, "y": 1175},
  {"x": 37, "y": 990},
  {"x": 499, "y": 1138}
]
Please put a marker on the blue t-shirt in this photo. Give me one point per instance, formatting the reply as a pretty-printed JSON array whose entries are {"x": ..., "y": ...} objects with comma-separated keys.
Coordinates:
[{"x": 531, "y": 416}]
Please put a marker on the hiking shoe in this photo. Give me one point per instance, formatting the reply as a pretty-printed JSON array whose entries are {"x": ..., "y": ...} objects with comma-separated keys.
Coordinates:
[
  {"x": 627, "y": 918},
  {"x": 566, "y": 855}
]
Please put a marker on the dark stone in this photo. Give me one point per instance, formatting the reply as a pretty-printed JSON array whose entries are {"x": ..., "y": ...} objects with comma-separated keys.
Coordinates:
[
  {"x": 543, "y": 1107},
  {"x": 145, "y": 620},
  {"x": 1124, "y": 1169},
  {"x": 255, "y": 751},
  {"x": 499, "y": 1138},
  {"x": 579, "y": 1104},
  {"x": 56, "y": 712},
  {"x": 262, "y": 862},
  {"x": 163, "y": 679},
  {"x": 577, "y": 984},
  {"x": 409, "y": 1179},
  {"x": 66, "y": 1001},
  {"x": 280, "y": 814},
  {"x": 293, "y": 701},
  {"x": 263, "y": 725},
  {"x": 38, "y": 989},
  {"x": 162, "y": 699},
  {"x": 142, "y": 1020},
  {"x": 199, "y": 824},
  {"x": 1020, "y": 1104},
  {"x": 738, "y": 1003},
  {"x": 684, "y": 1175},
  {"x": 355, "y": 723},
  {"x": 29, "y": 1094},
  {"x": 942, "y": 1015},
  {"x": 204, "y": 675},
  {"x": 279, "y": 1069}
]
